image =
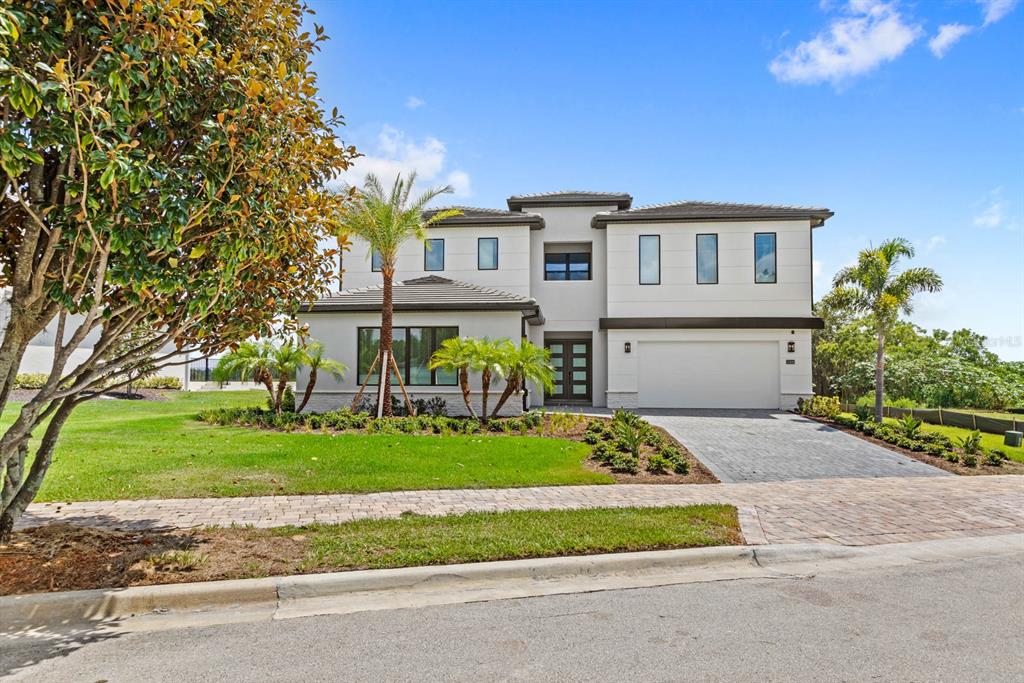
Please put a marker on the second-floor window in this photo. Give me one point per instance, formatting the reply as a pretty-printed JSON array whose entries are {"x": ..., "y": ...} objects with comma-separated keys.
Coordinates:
[
  {"x": 433, "y": 254},
  {"x": 567, "y": 266},
  {"x": 487, "y": 253},
  {"x": 376, "y": 261},
  {"x": 765, "y": 266},
  {"x": 650, "y": 259},
  {"x": 707, "y": 259}
]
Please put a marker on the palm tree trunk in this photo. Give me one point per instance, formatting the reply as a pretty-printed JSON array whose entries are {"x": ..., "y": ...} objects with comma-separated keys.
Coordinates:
[
  {"x": 879, "y": 375},
  {"x": 485, "y": 387},
  {"x": 282, "y": 384},
  {"x": 386, "y": 335},
  {"x": 511, "y": 386},
  {"x": 309, "y": 390},
  {"x": 464, "y": 385},
  {"x": 268, "y": 382}
]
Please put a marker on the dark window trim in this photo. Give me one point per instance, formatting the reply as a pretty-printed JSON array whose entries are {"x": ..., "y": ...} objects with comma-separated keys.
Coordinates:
[
  {"x": 372, "y": 268},
  {"x": 775, "y": 259},
  {"x": 497, "y": 252},
  {"x": 590, "y": 265},
  {"x": 404, "y": 364},
  {"x": 426, "y": 252},
  {"x": 640, "y": 260},
  {"x": 567, "y": 369},
  {"x": 696, "y": 248}
]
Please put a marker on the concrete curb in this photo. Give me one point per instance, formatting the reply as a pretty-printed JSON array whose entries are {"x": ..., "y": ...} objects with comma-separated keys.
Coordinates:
[{"x": 279, "y": 597}]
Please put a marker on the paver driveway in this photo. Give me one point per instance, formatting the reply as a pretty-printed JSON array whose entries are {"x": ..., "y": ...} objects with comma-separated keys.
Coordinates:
[{"x": 762, "y": 445}]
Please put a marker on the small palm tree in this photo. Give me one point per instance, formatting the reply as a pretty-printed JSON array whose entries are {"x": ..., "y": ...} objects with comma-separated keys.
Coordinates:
[
  {"x": 386, "y": 220},
  {"x": 524, "y": 363},
  {"x": 457, "y": 354},
  {"x": 487, "y": 357},
  {"x": 287, "y": 359},
  {"x": 316, "y": 362},
  {"x": 251, "y": 360},
  {"x": 874, "y": 286}
]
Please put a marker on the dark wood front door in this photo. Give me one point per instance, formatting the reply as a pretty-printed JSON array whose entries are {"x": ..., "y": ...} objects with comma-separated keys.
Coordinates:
[{"x": 571, "y": 359}]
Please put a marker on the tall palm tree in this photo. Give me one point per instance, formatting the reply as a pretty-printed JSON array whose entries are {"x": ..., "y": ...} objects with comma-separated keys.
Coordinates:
[
  {"x": 524, "y": 363},
  {"x": 875, "y": 286},
  {"x": 457, "y": 354},
  {"x": 386, "y": 220},
  {"x": 316, "y": 362}
]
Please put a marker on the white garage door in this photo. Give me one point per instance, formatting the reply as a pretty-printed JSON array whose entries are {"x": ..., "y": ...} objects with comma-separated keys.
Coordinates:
[{"x": 709, "y": 374}]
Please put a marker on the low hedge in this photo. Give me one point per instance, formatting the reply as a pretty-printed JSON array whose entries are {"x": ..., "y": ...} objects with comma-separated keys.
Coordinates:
[{"x": 36, "y": 380}]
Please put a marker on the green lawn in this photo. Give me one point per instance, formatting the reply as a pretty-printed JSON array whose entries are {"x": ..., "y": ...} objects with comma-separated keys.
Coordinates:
[
  {"x": 987, "y": 440},
  {"x": 482, "y": 536},
  {"x": 155, "y": 449}
]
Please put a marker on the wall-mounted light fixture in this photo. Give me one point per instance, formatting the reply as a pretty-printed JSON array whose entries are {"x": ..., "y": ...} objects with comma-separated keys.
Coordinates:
[
  {"x": 791, "y": 347},
  {"x": 627, "y": 347}
]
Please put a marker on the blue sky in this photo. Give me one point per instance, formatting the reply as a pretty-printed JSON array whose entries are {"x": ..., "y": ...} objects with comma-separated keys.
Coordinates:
[{"x": 906, "y": 119}]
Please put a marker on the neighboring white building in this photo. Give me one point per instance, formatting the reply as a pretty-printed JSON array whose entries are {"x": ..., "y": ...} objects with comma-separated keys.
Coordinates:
[{"x": 683, "y": 305}]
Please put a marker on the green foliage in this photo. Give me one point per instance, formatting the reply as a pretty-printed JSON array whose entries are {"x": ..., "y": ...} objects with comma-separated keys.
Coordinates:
[
  {"x": 626, "y": 463},
  {"x": 970, "y": 442},
  {"x": 157, "y": 382},
  {"x": 32, "y": 380},
  {"x": 994, "y": 457},
  {"x": 968, "y": 459},
  {"x": 910, "y": 426},
  {"x": 820, "y": 406},
  {"x": 658, "y": 464}
]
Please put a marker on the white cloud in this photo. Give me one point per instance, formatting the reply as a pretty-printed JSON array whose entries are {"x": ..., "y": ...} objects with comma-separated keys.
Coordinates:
[
  {"x": 933, "y": 243},
  {"x": 395, "y": 152},
  {"x": 871, "y": 33},
  {"x": 947, "y": 36},
  {"x": 995, "y": 212},
  {"x": 996, "y": 9},
  {"x": 413, "y": 102}
]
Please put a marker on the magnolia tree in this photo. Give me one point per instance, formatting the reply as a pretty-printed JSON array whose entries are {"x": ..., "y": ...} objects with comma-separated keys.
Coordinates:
[{"x": 162, "y": 169}]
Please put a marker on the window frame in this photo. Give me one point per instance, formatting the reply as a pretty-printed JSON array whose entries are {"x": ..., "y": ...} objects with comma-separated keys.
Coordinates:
[
  {"x": 427, "y": 251},
  {"x": 696, "y": 251},
  {"x": 404, "y": 363},
  {"x": 374, "y": 256},
  {"x": 497, "y": 253},
  {"x": 775, "y": 259},
  {"x": 640, "y": 259},
  {"x": 567, "y": 254}
]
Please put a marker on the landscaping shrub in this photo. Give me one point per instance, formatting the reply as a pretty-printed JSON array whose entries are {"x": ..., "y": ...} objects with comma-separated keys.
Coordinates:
[
  {"x": 625, "y": 462},
  {"x": 846, "y": 420},
  {"x": 658, "y": 464},
  {"x": 156, "y": 382},
  {"x": 968, "y": 460},
  {"x": 602, "y": 452},
  {"x": 33, "y": 380},
  {"x": 971, "y": 442},
  {"x": 910, "y": 426},
  {"x": 820, "y": 406},
  {"x": 863, "y": 412},
  {"x": 994, "y": 457}
]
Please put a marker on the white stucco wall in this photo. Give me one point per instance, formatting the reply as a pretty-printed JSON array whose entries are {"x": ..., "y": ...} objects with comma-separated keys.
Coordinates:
[
  {"x": 338, "y": 333},
  {"x": 736, "y": 293},
  {"x": 460, "y": 259}
]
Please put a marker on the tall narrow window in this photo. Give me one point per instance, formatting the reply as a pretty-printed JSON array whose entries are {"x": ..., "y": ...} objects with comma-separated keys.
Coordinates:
[
  {"x": 487, "y": 253},
  {"x": 376, "y": 261},
  {"x": 433, "y": 254},
  {"x": 707, "y": 259},
  {"x": 765, "y": 262},
  {"x": 650, "y": 259}
]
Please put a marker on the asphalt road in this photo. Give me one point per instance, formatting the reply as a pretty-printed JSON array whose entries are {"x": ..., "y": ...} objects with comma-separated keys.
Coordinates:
[{"x": 956, "y": 621}]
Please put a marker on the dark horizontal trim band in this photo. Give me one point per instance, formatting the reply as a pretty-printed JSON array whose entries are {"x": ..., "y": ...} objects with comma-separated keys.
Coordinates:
[
  {"x": 535, "y": 222},
  {"x": 531, "y": 309},
  {"x": 758, "y": 323},
  {"x": 619, "y": 203},
  {"x": 601, "y": 222}
]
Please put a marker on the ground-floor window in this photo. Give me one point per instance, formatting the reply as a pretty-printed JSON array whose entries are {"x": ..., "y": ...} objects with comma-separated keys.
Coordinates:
[{"x": 413, "y": 347}]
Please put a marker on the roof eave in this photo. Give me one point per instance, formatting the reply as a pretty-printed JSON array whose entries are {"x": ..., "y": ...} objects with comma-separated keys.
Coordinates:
[
  {"x": 534, "y": 221},
  {"x": 599, "y": 222},
  {"x": 519, "y": 203}
]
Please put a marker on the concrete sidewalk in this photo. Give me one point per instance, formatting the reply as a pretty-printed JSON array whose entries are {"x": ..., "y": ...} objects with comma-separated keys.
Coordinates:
[{"x": 841, "y": 511}]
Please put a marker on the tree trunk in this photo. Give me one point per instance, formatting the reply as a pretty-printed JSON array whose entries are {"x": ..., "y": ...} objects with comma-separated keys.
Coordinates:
[
  {"x": 268, "y": 382},
  {"x": 485, "y": 387},
  {"x": 386, "y": 333},
  {"x": 879, "y": 375},
  {"x": 511, "y": 386},
  {"x": 464, "y": 385},
  {"x": 282, "y": 384},
  {"x": 309, "y": 390}
]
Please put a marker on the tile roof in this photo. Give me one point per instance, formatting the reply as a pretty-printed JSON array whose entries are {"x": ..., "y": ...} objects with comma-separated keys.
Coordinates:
[
  {"x": 430, "y": 293},
  {"x": 474, "y": 215},
  {"x": 695, "y": 210},
  {"x": 622, "y": 200}
]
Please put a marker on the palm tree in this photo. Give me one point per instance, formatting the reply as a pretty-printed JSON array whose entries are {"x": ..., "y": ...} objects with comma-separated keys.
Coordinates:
[
  {"x": 286, "y": 360},
  {"x": 524, "y": 363},
  {"x": 457, "y": 354},
  {"x": 874, "y": 286},
  {"x": 315, "y": 361},
  {"x": 386, "y": 221},
  {"x": 251, "y": 360},
  {"x": 487, "y": 358}
]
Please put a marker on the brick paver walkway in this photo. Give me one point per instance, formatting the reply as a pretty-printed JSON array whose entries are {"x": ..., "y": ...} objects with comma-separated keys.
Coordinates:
[
  {"x": 763, "y": 445},
  {"x": 844, "y": 511}
]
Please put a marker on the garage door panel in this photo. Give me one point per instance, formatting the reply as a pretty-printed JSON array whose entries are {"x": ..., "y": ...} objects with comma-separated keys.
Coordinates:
[{"x": 708, "y": 374}]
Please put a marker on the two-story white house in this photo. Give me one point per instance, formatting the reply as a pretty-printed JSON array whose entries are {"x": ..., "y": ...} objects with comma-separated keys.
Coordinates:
[{"x": 682, "y": 305}]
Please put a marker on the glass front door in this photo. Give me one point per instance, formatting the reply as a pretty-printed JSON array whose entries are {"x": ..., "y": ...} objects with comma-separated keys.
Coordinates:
[{"x": 571, "y": 360}]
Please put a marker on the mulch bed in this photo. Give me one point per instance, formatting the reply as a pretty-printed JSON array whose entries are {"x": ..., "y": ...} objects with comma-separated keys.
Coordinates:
[
  {"x": 1008, "y": 466},
  {"x": 698, "y": 474},
  {"x": 62, "y": 557},
  {"x": 21, "y": 395}
]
